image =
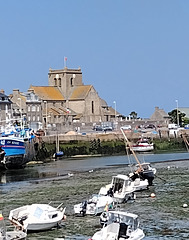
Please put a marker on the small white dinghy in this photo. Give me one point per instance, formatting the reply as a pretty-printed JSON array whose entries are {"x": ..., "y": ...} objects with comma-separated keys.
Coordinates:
[
  {"x": 94, "y": 205},
  {"x": 119, "y": 225},
  {"x": 10, "y": 235},
  {"x": 37, "y": 217}
]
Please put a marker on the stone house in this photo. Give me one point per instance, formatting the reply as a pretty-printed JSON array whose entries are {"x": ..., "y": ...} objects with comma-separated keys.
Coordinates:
[
  {"x": 160, "y": 117},
  {"x": 5, "y": 107}
]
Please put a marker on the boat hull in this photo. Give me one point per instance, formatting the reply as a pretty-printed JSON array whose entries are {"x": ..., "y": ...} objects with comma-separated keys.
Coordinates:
[
  {"x": 143, "y": 148},
  {"x": 17, "y": 152},
  {"x": 95, "y": 206},
  {"x": 38, "y": 227},
  {"x": 36, "y": 217}
]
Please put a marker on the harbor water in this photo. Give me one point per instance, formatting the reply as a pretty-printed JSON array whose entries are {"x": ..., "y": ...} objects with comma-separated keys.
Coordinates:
[{"x": 70, "y": 181}]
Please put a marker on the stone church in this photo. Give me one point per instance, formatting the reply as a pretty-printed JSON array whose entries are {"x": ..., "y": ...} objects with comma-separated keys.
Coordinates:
[{"x": 65, "y": 100}]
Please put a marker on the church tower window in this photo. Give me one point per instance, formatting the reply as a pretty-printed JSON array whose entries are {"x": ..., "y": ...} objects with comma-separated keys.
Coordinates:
[
  {"x": 71, "y": 82},
  {"x": 55, "y": 82},
  {"x": 59, "y": 82}
]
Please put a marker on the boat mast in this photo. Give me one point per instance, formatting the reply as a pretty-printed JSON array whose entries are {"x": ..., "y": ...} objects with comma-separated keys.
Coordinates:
[
  {"x": 57, "y": 143},
  {"x": 186, "y": 142},
  {"x": 129, "y": 144}
]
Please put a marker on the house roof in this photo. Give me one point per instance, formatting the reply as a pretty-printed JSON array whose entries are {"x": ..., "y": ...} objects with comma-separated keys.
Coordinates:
[
  {"x": 159, "y": 114},
  {"x": 80, "y": 92},
  {"x": 48, "y": 93}
]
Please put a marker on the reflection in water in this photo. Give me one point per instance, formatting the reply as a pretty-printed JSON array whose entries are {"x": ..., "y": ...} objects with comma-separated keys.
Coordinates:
[
  {"x": 18, "y": 175},
  {"x": 65, "y": 167}
]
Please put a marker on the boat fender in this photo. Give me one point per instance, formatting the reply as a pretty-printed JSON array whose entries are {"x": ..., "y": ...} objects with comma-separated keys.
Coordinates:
[{"x": 152, "y": 195}]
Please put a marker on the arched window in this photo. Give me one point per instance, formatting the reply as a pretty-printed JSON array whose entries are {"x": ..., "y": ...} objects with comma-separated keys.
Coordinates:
[
  {"x": 55, "y": 82},
  {"x": 59, "y": 82},
  {"x": 92, "y": 105},
  {"x": 71, "y": 82}
]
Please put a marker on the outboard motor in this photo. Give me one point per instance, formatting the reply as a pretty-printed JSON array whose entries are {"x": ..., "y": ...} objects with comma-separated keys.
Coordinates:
[
  {"x": 110, "y": 192},
  {"x": 84, "y": 208}
]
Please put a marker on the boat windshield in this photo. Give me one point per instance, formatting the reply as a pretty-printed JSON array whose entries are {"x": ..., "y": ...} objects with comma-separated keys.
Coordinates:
[
  {"x": 128, "y": 220},
  {"x": 136, "y": 224},
  {"x": 117, "y": 184}
]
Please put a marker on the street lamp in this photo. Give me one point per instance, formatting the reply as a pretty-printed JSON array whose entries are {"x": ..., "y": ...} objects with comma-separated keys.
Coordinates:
[
  {"x": 177, "y": 114},
  {"x": 45, "y": 119},
  {"x": 115, "y": 114}
]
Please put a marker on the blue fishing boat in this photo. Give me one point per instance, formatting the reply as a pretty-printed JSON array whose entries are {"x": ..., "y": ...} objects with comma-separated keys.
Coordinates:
[{"x": 16, "y": 149}]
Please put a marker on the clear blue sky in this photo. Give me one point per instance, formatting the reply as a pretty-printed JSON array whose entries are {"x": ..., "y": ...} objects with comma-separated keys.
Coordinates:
[{"x": 133, "y": 52}]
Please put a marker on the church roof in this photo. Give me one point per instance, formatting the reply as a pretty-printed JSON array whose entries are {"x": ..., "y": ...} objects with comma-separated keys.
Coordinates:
[
  {"x": 48, "y": 93},
  {"x": 80, "y": 92}
]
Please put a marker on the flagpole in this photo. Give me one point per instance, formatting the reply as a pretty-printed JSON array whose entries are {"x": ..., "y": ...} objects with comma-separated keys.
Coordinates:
[{"x": 65, "y": 62}]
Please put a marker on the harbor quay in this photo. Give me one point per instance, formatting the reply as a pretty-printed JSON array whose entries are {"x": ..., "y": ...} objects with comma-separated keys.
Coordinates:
[{"x": 114, "y": 135}]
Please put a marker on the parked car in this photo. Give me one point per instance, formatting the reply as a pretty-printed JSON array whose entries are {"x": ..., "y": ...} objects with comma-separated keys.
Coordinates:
[
  {"x": 126, "y": 127},
  {"x": 104, "y": 128},
  {"x": 107, "y": 128},
  {"x": 97, "y": 128}
]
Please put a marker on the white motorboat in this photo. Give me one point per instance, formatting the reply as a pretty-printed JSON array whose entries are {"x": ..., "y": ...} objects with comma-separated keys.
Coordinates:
[
  {"x": 119, "y": 225},
  {"x": 36, "y": 217},
  {"x": 143, "y": 145},
  {"x": 94, "y": 205},
  {"x": 144, "y": 170},
  {"x": 121, "y": 189},
  {"x": 10, "y": 235},
  {"x": 138, "y": 182}
]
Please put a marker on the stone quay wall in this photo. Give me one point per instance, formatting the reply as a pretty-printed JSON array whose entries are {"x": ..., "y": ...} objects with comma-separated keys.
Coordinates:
[{"x": 111, "y": 136}]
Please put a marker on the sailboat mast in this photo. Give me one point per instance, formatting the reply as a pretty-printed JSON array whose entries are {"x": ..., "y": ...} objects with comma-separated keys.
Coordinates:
[
  {"x": 129, "y": 144},
  {"x": 57, "y": 143}
]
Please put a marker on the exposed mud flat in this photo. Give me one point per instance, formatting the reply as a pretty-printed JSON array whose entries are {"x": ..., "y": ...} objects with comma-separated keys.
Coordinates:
[{"x": 162, "y": 217}]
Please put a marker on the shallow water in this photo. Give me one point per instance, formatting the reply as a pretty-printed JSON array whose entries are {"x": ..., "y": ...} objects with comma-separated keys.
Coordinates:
[{"x": 162, "y": 217}]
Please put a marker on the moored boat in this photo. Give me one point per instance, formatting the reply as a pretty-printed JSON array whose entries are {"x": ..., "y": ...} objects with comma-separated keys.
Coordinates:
[
  {"x": 119, "y": 225},
  {"x": 144, "y": 170},
  {"x": 10, "y": 235},
  {"x": 147, "y": 172},
  {"x": 16, "y": 148},
  {"x": 36, "y": 217},
  {"x": 120, "y": 189},
  {"x": 143, "y": 145},
  {"x": 94, "y": 206}
]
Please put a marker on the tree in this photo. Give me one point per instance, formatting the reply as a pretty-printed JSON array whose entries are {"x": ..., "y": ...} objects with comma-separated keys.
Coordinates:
[
  {"x": 133, "y": 115},
  {"x": 173, "y": 116}
]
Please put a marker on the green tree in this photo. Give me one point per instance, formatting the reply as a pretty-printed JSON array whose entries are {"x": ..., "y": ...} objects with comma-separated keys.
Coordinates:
[
  {"x": 133, "y": 115},
  {"x": 173, "y": 116}
]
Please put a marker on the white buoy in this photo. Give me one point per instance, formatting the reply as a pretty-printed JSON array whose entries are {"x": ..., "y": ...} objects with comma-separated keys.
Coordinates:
[
  {"x": 152, "y": 195},
  {"x": 185, "y": 205}
]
